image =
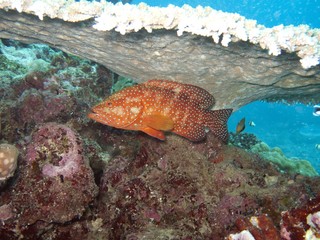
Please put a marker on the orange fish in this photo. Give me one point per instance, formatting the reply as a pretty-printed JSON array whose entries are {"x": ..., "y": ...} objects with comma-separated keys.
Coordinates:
[{"x": 162, "y": 105}]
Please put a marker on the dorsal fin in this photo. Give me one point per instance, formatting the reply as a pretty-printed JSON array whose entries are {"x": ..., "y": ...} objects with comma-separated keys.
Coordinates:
[{"x": 187, "y": 91}]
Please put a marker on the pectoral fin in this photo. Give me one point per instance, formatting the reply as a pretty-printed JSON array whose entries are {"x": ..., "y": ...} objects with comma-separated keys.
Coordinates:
[
  {"x": 159, "y": 122},
  {"x": 154, "y": 133}
]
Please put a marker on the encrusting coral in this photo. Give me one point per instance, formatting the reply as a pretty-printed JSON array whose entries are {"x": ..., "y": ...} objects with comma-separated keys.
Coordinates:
[
  {"x": 251, "y": 143},
  {"x": 302, "y": 221},
  {"x": 243, "y": 140},
  {"x": 299, "y": 223},
  {"x": 139, "y": 190},
  {"x": 288, "y": 165},
  {"x": 56, "y": 177},
  {"x": 256, "y": 228},
  {"x": 59, "y": 150}
]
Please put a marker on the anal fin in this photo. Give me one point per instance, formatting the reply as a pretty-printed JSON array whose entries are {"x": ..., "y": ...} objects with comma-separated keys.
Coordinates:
[{"x": 193, "y": 132}]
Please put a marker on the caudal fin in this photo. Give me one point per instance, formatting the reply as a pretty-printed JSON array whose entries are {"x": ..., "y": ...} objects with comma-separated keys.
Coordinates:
[{"x": 216, "y": 121}]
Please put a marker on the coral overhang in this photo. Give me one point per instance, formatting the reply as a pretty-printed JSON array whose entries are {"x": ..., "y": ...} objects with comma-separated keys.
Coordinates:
[
  {"x": 236, "y": 59},
  {"x": 203, "y": 21}
]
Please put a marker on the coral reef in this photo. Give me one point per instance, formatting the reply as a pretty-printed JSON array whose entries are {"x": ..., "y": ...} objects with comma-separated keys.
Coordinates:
[
  {"x": 138, "y": 188},
  {"x": 243, "y": 140},
  {"x": 205, "y": 21},
  {"x": 257, "y": 228},
  {"x": 313, "y": 220},
  {"x": 59, "y": 149},
  {"x": 251, "y": 143},
  {"x": 298, "y": 223},
  {"x": 80, "y": 180},
  {"x": 34, "y": 58},
  {"x": 288, "y": 165},
  {"x": 303, "y": 221},
  {"x": 55, "y": 183},
  {"x": 5, "y": 212},
  {"x": 139, "y": 194},
  {"x": 243, "y": 235},
  {"x": 121, "y": 83},
  {"x": 55, "y": 91}
]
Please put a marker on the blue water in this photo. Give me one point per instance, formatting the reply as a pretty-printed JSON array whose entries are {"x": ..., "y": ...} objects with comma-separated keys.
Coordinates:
[{"x": 292, "y": 128}]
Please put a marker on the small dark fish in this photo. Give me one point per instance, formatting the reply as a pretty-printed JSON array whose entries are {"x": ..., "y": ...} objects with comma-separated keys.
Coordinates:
[{"x": 241, "y": 125}]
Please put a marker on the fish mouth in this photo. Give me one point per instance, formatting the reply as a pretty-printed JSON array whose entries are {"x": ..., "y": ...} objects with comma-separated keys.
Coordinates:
[{"x": 94, "y": 116}]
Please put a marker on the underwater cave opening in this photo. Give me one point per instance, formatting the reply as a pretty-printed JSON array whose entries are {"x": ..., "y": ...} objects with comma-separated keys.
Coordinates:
[{"x": 293, "y": 128}]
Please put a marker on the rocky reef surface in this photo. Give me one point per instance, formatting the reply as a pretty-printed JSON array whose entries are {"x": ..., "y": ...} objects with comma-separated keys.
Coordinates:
[{"x": 77, "y": 179}]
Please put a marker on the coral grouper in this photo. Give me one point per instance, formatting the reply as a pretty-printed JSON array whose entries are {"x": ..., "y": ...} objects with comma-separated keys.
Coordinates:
[{"x": 161, "y": 105}]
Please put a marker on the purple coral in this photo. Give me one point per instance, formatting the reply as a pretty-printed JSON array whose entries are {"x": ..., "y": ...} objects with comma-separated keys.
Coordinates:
[
  {"x": 59, "y": 147},
  {"x": 56, "y": 183}
]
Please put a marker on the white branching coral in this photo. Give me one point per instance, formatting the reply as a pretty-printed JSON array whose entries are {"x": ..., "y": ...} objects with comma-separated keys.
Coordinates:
[
  {"x": 203, "y": 21},
  {"x": 68, "y": 10}
]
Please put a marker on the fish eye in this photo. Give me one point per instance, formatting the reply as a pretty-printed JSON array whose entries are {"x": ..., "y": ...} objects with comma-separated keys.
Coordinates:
[{"x": 109, "y": 104}]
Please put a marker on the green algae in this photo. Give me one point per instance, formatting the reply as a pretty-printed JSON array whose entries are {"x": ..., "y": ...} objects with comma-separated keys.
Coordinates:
[
  {"x": 21, "y": 60},
  {"x": 9, "y": 69},
  {"x": 121, "y": 83}
]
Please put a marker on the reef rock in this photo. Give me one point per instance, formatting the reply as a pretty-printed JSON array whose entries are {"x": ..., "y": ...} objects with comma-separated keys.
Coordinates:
[
  {"x": 181, "y": 190},
  {"x": 55, "y": 183},
  {"x": 149, "y": 189}
]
